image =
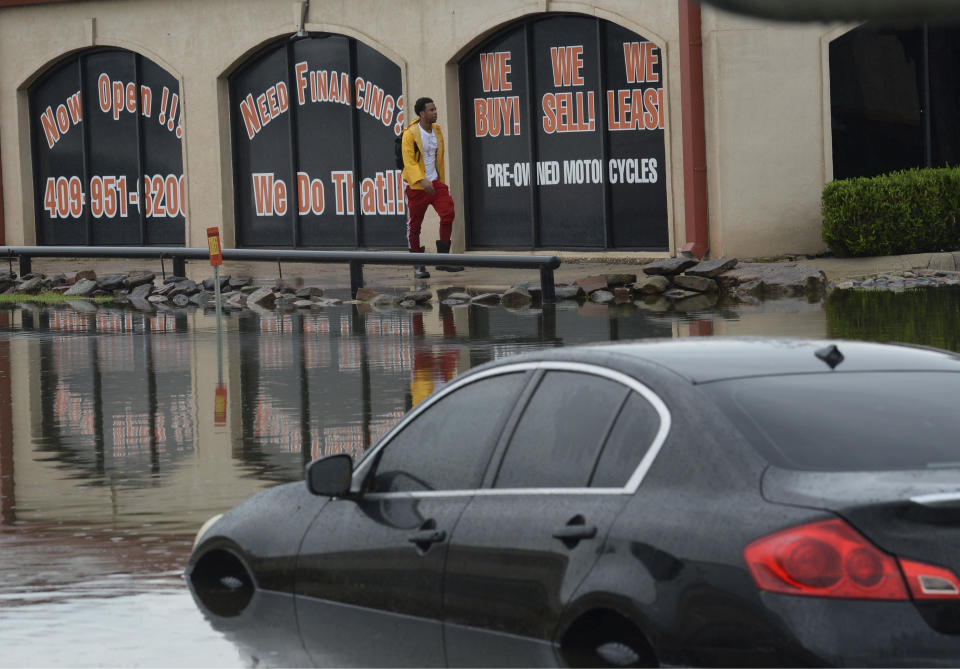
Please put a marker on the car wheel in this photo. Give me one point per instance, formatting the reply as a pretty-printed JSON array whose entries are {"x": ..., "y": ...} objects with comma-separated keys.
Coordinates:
[
  {"x": 605, "y": 639},
  {"x": 222, "y": 583}
]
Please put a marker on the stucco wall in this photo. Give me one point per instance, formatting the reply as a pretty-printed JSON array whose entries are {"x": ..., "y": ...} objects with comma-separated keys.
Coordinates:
[
  {"x": 764, "y": 96},
  {"x": 766, "y": 88}
]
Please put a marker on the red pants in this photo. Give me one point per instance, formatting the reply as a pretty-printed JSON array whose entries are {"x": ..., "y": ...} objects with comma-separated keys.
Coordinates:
[{"x": 417, "y": 202}]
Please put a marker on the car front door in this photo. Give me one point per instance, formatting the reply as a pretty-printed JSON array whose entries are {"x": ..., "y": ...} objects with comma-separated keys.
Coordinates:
[
  {"x": 524, "y": 544},
  {"x": 370, "y": 570}
]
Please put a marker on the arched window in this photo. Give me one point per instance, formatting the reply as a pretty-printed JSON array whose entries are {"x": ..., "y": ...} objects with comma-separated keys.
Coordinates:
[
  {"x": 894, "y": 98},
  {"x": 313, "y": 127},
  {"x": 563, "y": 126},
  {"x": 106, "y": 128}
]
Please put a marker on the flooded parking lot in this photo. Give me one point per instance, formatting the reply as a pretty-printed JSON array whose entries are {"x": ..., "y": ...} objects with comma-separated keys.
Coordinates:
[{"x": 121, "y": 432}]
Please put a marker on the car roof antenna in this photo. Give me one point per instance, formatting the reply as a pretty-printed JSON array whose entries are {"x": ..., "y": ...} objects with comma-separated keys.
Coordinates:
[{"x": 830, "y": 355}]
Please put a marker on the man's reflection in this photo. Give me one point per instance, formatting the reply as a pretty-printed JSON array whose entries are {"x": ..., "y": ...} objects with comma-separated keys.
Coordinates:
[{"x": 431, "y": 362}]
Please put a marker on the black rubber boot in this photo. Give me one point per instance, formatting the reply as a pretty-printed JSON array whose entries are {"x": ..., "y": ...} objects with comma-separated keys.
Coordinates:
[
  {"x": 444, "y": 247},
  {"x": 420, "y": 271}
]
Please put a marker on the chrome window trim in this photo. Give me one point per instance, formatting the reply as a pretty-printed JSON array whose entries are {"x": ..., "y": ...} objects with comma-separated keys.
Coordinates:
[{"x": 628, "y": 489}]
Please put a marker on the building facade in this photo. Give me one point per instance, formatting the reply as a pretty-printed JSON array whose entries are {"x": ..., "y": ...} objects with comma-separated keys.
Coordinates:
[{"x": 570, "y": 127}]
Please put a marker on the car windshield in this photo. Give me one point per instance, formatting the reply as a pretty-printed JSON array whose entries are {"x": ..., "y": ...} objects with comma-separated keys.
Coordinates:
[{"x": 868, "y": 421}]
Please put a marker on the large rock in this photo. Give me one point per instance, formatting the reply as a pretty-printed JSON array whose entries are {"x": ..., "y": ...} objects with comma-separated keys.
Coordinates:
[
  {"x": 780, "y": 279},
  {"x": 139, "y": 279},
  {"x": 140, "y": 303},
  {"x": 651, "y": 285},
  {"x": 82, "y": 288},
  {"x": 185, "y": 287},
  {"x": 210, "y": 284},
  {"x": 669, "y": 266},
  {"x": 201, "y": 299},
  {"x": 164, "y": 288},
  {"x": 142, "y": 291},
  {"x": 566, "y": 292},
  {"x": 88, "y": 274},
  {"x": 235, "y": 300},
  {"x": 592, "y": 283},
  {"x": 614, "y": 280},
  {"x": 262, "y": 297},
  {"x": 532, "y": 288},
  {"x": 712, "y": 268},
  {"x": 700, "y": 284},
  {"x": 112, "y": 282},
  {"x": 518, "y": 296},
  {"x": 31, "y": 286}
]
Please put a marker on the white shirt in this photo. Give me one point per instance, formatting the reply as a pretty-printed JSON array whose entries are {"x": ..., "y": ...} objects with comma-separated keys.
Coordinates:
[{"x": 429, "y": 153}]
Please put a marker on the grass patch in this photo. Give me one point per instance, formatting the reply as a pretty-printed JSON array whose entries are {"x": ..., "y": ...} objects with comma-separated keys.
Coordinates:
[{"x": 51, "y": 298}]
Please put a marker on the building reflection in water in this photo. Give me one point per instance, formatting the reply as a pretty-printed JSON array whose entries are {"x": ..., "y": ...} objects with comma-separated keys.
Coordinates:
[
  {"x": 125, "y": 400},
  {"x": 116, "y": 392}
]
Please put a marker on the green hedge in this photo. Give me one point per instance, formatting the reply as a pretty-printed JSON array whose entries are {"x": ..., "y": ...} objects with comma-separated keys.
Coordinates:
[{"x": 913, "y": 211}]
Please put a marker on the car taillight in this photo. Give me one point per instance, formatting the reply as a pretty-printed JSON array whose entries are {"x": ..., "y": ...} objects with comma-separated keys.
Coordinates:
[
  {"x": 824, "y": 559},
  {"x": 928, "y": 582}
]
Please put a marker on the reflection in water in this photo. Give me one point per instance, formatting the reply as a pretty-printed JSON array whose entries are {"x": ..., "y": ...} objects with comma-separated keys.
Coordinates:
[{"x": 121, "y": 432}]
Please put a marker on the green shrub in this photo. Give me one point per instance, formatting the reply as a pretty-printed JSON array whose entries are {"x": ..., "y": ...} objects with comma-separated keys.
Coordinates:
[{"x": 913, "y": 211}]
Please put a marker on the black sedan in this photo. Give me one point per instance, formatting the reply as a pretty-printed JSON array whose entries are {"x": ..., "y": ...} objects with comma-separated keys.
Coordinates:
[{"x": 697, "y": 502}]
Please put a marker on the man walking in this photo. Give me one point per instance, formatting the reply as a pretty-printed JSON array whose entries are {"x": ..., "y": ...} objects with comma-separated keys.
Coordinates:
[{"x": 423, "y": 171}]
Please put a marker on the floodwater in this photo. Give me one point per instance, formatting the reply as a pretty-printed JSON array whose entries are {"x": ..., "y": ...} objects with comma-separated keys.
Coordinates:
[{"x": 121, "y": 432}]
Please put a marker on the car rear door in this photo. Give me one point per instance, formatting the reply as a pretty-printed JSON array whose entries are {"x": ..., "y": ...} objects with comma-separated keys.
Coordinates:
[
  {"x": 369, "y": 575},
  {"x": 525, "y": 542}
]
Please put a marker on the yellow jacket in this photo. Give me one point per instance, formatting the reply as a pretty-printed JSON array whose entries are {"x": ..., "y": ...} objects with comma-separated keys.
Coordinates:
[{"x": 413, "y": 168}]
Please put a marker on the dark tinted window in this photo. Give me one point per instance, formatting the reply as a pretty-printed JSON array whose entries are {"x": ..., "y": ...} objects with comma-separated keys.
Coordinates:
[
  {"x": 848, "y": 422},
  {"x": 559, "y": 436},
  {"x": 628, "y": 442},
  {"x": 448, "y": 446}
]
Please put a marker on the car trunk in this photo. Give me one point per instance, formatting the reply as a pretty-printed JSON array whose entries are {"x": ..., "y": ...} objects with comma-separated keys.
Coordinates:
[{"x": 911, "y": 514}]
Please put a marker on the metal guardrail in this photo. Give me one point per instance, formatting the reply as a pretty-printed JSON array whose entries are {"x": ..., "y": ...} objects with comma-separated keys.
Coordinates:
[{"x": 355, "y": 259}]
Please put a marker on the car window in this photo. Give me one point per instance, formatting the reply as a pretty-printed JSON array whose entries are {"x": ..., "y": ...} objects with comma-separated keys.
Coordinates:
[
  {"x": 448, "y": 446},
  {"x": 629, "y": 441},
  {"x": 868, "y": 421},
  {"x": 558, "y": 438}
]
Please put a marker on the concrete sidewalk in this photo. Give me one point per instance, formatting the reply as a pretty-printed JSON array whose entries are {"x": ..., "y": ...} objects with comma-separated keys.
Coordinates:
[{"x": 335, "y": 276}]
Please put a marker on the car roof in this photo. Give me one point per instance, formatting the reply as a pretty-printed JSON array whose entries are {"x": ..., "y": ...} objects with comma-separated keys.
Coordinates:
[{"x": 702, "y": 360}]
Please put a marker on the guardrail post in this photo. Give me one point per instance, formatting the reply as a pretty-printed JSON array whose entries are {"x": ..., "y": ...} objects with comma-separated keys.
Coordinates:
[
  {"x": 547, "y": 292},
  {"x": 356, "y": 277},
  {"x": 179, "y": 266},
  {"x": 25, "y": 267}
]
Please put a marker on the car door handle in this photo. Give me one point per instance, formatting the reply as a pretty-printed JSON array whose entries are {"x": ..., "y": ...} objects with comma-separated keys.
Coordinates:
[
  {"x": 575, "y": 532},
  {"x": 427, "y": 537}
]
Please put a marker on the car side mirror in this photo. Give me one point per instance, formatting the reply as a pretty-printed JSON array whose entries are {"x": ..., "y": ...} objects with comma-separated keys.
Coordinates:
[{"x": 330, "y": 476}]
